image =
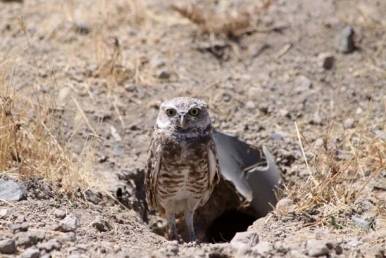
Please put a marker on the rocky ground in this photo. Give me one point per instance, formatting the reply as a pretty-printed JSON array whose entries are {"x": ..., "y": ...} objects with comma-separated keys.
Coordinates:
[{"x": 86, "y": 79}]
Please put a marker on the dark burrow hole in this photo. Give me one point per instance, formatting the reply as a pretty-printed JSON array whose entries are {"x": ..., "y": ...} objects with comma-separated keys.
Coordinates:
[
  {"x": 217, "y": 221},
  {"x": 225, "y": 227}
]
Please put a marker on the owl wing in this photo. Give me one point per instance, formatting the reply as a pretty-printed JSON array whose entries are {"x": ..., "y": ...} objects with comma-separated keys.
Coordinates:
[
  {"x": 152, "y": 170},
  {"x": 214, "y": 171}
]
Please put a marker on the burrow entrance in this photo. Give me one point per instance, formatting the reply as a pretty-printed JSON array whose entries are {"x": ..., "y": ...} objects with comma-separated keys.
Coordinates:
[{"x": 225, "y": 213}]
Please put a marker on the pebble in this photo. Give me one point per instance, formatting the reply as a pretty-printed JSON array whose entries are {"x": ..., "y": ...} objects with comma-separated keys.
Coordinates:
[
  {"x": 250, "y": 105},
  {"x": 69, "y": 224},
  {"x": 12, "y": 191},
  {"x": 31, "y": 253},
  {"x": 82, "y": 28},
  {"x": 284, "y": 205},
  {"x": 302, "y": 84},
  {"x": 316, "y": 119},
  {"x": 20, "y": 219},
  {"x": 53, "y": 244},
  {"x": 8, "y": 246},
  {"x": 22, "y": 227},
  {"x": 60, "y": 214},
  {"x": 345, "y": 40},
  {"x": 4, "y": 213},
  {"x": 316, "y": 248},
  {"x": 101, "y": 225},
  {"x": 246, "y": 238},
  {"x": 319, "y": 142},
  {"x": 157, "y": 62},
  {"x": 327, "y": 61},
  {"x": 91, "y": 196},
  {"x": 68, "y": 237},
  {"x": 25, "y": 239},
  {"x": 348, "y": 123},
  {"x": 263, "y": 248},
  {"x": 40, "y": 235},
  {"x": 172, "y": 247},
  {"x": 130, "y": 87},
  {"x": 278, "y": 136},
  {"x": 163, "y": 75}
]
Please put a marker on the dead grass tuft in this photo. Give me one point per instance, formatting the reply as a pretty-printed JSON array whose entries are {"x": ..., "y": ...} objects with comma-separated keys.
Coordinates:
[
  {"x": 341, "y": 173},
  {"x": 29, "y": 148},
  {"x": 32, "y": 143},
  {"x": 230, "y": 24}
]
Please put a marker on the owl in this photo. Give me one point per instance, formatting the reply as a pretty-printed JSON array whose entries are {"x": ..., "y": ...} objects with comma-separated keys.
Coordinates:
[{"x": 182, "y": 167}]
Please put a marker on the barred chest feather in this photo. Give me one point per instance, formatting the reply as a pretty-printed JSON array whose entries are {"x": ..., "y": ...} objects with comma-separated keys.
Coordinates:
[{"x": 183, "y": 176}]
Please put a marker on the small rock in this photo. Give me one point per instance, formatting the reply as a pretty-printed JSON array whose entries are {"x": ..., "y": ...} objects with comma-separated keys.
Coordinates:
[
  {"x": 172, "y": 247},
  {"x": 163, "y": 75},
  {"x": 4, "y": 213},
  {"x": 338, "y": 250},
  {"x": 75, "y": 256},
  {"x": 22, "y": 227},
  {"x": 284, "y": 205},
  {"x": 53, "y": 244},
  {"x": 25, "y": 239},
  {"x": 69, "y": 224},
  {"x": 40, "y": 235},
  {"x": 20, "y": 219},
  {"x": 316, "y": 248},
  {"x": 316, "y": 120},
  {"x": 302, "y": 84},
  {"x": 68, "y": 237},
  {"x": 82, "y": 28},
  {"x": 348, "y": 123},
  {"x": 12, "y": 191},
  {"x": 278, "y": 136},
  {"x": 345, "y": 40},
  {"x": 157, "y": 62},
  {"x": 101, "y": 225},
  {"x": 130, "y": 87},
  {"x": 319, "y": 142},
  {"x": 246, "y": 238},
  {"x": 263, "y": 248},
  {"x": 284, "y": 113},
  {"x": 31, "y": 253},
  {"x": 8, "y": 246},
  {"x": 327, "y": 61},
  {"x": 79, "y": 249},
  {"x": 264, "y": 107},
  {"x": 60, "y": 214},
  {"x": 250, "y": 105},
  {"x": 91, "y": 196}
]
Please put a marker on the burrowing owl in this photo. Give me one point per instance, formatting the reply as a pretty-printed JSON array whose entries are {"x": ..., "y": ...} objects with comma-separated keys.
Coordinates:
[{"x": 182, "y": 167}]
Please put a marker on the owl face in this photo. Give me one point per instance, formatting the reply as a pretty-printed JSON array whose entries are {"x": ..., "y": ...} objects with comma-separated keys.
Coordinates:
[{"x": 183, "y": 115}]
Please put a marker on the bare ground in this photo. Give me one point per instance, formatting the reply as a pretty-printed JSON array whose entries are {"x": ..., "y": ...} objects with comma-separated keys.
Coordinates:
[{"x": 100, "y": 69}]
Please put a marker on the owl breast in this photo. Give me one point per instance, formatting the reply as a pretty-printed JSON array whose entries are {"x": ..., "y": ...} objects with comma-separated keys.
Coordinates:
[{"x": 182, "y": 182}]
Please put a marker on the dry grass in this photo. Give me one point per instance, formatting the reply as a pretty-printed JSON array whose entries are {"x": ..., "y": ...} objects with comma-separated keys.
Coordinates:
[
  {"x": 31, "y": 137},
  {"x": 230, "y": 24},
  {"x": 341, "y": 173}
]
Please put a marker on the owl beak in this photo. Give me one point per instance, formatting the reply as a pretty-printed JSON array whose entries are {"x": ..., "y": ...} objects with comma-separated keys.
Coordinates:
[{"x": 183, "y": 121}]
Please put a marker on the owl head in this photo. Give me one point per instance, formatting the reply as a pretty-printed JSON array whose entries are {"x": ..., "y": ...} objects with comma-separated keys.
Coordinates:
[{"x": 183, "y": 115}]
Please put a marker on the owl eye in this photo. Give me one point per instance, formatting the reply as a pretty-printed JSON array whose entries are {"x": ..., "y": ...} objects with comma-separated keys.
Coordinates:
[
  {"x": 194, "y": 112},
  {"x": 171, "y": 112}
]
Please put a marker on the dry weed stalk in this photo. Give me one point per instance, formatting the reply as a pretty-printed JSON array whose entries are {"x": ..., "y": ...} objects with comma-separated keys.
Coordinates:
[
  {"x": 30, "y": 143},
  {"x": 232, "y": 25},
  {"x": 341, "y": 172}
]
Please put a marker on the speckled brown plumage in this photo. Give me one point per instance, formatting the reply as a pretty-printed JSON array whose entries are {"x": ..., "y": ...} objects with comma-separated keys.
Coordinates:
[{"x": 183, "y": 166}]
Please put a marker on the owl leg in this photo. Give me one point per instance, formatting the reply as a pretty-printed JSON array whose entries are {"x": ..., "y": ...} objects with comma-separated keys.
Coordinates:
[
  {"x": 189, "y": 223},
  {"x": 172, "y": 226}
]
